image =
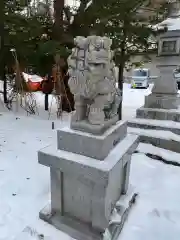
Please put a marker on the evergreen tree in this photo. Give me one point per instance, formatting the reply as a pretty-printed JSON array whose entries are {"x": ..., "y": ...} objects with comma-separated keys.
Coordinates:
[{"x": 39, "y": 35}]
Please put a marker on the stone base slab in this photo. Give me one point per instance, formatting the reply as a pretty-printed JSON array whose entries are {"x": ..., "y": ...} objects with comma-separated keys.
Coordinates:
[
  {"x": 158, "y": 114},
  {"x": 90, "y": 145},
  {"x": 158, "y": 138},
  {"x": 171, "y": 126},
  {"x": 162, "y": 101},
  {"x": 81, "y": 231},
  {"x": 85, "y": 126}
]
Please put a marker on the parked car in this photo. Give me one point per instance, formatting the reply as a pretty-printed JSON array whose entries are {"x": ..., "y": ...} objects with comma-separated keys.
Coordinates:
[{"x": 140, "y": 78}]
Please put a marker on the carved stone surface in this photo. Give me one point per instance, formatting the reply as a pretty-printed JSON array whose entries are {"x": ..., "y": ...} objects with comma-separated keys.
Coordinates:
[
  {"x": 164, "y": 92},
  {"x": 166, "y": 83},
  {"x": 86, "y": 144},
  {"x": 93, "y": 82},
  {"x": 82, "y": 231}
]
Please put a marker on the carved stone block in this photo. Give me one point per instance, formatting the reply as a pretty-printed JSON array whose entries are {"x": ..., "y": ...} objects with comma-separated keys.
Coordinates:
[{"x": 81, "y": 142}]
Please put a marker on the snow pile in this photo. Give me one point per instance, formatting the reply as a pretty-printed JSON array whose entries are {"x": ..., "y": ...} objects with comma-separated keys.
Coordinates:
[
  {"x": 32, "y": 78},
  {"x": 172, "y": 24}
]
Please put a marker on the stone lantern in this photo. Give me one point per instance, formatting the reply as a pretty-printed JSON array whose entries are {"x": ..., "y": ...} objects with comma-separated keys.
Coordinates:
[{"x": 164, "y": 97}]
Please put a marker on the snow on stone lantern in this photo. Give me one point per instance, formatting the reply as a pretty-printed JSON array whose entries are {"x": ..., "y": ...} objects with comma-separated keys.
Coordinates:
[{"x": 164, "y": 94}]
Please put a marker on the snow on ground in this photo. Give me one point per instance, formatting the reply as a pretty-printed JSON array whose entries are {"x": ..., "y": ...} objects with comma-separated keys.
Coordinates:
[
  {"x": 157, "y": 213},
  {"x": 133, "y": 99},
  {"x": 173, "y": 24},
  {"x": 25, "y": 190},
  {"x": 24, "y": 184},
  {"x": 39, "y": 99},
  {"x": 163, "y": 153}
]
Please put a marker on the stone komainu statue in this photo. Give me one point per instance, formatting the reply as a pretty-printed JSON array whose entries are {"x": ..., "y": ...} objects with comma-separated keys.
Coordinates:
[{"x": 92, "y": 80}]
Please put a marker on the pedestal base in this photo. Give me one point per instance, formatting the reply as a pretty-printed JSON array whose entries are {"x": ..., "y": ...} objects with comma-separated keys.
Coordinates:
[
  {"x": 82, "y": 231},
  {"x": 162, "y": 101},
  {"x": 168, "y": 126},
  {"x": 161, "y": 139},
  {"x": 158, "y": 114}
]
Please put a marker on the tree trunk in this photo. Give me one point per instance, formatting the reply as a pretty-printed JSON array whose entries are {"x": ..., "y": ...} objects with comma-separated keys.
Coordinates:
[
  {"x": 2, "y": 52},
  {"x": 58, "y": 18},
  {"x": 5, "y": 87},
  {"x": 120, "y": 86},
  {"x": 121, "y": 75}
]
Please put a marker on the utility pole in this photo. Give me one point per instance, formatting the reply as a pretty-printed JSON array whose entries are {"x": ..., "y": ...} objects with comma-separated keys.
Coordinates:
[{"x": 2, "y": 49}]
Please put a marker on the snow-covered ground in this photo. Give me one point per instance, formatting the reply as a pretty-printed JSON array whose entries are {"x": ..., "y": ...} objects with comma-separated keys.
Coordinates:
[
  {"x": 132, "y": 99},
  {"x": 25, "y": 190}
]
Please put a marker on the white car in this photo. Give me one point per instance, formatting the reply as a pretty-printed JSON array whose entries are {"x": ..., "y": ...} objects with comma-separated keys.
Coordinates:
[{"x": 140, "y": 78}]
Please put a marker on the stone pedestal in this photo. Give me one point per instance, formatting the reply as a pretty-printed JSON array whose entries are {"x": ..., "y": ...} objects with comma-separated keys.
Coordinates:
[{"x": 90, "y": 198}]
